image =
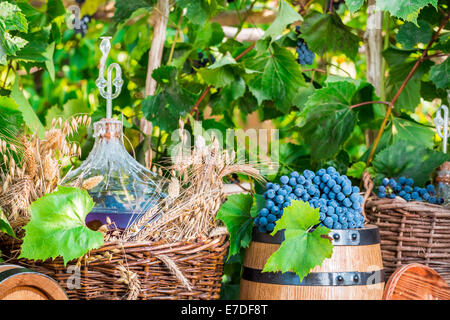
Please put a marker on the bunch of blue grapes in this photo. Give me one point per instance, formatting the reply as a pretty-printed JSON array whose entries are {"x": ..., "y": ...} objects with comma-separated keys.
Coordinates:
[
  {"x": 339, "y": 201},
  {"x": 404, "y": 188},
  {"x": 305, "y": 56},
  {"x": 203, "y": 60},
  {"x": 83, "y": 26}
]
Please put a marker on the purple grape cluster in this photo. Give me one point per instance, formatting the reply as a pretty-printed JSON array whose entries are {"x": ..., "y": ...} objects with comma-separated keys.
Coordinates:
[
  {"x": 404, "y": 188},
  {"x": 84, "y": 25},
  {"x": 305, "y": 56},
  {"x": 339, "y": 201},
  {"x": 203, "y": 60}
]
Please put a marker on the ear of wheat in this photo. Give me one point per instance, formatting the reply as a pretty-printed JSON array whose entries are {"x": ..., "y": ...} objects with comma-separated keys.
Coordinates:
[
  {"x": 32, "y": 166},
  {"x": 195, "y": 195}
]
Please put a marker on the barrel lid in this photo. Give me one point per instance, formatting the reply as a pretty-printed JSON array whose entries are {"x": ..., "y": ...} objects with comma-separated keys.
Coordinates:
[{"x": 350, "y": 237}]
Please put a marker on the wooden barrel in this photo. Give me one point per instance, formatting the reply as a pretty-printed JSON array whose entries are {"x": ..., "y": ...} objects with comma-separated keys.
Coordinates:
[
  {"x": 354, "y": 271},
  {"x": 416, "y": 282},
  {"x": 18, "y": 283}
]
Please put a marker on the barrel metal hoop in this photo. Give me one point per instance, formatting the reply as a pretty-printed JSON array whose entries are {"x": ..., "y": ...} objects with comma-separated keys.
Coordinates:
[
  {"x": 315, "y": 278},
  {"x": 351, "y": 237}
]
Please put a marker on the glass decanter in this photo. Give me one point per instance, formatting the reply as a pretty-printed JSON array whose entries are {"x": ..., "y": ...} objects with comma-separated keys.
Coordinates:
[{"x": 121, "y": 187}]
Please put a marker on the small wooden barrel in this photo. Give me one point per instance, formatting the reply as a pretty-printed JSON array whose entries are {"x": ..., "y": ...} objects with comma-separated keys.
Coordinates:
[
  {"x": 18, "y": 283},
  {"x": 354, "y": 271},
  {"x": 416, "y": 282}
]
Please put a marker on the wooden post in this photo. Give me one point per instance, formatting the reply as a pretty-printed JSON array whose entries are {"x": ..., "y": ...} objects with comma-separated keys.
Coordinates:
[
  {"x": 374, "y": 58},
  {"x": 154, "y": 61}
]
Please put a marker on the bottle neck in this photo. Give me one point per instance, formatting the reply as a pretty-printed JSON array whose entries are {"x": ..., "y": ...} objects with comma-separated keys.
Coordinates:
[{"x": 108, "y": 130}]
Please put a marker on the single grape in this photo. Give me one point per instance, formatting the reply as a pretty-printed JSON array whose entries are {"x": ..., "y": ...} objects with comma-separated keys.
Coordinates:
[
  {"x": 294, "y": 174},
  {"x": 409, "y": 182},
  {"x": 385, "y": 182},
  {"x": 301, "y": 180},
  {"x": 270, "y": 227},
  {"x": 284, "y": 179},
  {"x": 328, "y": 222}
]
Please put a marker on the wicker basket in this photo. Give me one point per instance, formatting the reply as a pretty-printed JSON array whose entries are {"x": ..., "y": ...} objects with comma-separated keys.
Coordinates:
[
  {"x": 147, "y": 270},
  {"x": 411, "y": 232}
]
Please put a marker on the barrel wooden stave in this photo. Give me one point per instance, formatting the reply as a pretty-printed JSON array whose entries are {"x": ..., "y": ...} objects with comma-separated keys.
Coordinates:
[
  {"x": 346, "y": 258},
  {"x": 18, "y": 283}
]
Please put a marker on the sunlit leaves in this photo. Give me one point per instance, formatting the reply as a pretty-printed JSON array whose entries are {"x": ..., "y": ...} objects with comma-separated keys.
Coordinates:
[
  {"x": 57, "y": 226},
  {"x": 286, "y": 15},
  {"x": 304, "y": 246},
  {"x": 405, "y": 9}
]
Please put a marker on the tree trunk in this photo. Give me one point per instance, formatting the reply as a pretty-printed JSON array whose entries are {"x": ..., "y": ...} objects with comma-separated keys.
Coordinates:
[
  {"x": 154, "y": 61},
  {"x": 374, "y": 45}
]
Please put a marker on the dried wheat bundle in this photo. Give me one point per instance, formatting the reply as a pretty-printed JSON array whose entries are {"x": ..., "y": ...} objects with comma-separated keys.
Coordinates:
[
  {"x": 32, "y": 166},
  {"x": 195, "y": 194}
]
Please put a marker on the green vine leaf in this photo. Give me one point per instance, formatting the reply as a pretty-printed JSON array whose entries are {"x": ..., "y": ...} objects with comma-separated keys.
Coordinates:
[
  {"x": 171, "y": 103},
  {"x": 57, "y": 226},
  {"x": 5, "y": 227},
  {"x": 302, "y": 249},
  {"x": 405, "y": 159},
  {"x": 237, "y": 214},
  {"x": 439, "y": 74},
  {"x": 276, "y": 76},
  {"x": 319, "y": 26},
  {"x": 12, "y": 18},
  {"x": 354, "y": 5},
  {"x": 410, "y": 34},
  {"x": 285, "y": 16},
  {"x": 125, "y": 8},
  {"x": 407, "y": 10},
  {"x": 29, "y": 115},
  {"x": 328, "y": 121}
]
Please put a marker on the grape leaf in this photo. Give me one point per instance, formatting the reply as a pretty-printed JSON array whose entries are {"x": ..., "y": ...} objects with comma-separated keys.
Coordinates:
[
  {"x": 220, "y": 73},
  {"x": 237, "y": 214},
  {"x": 57, "y": 226},
  {"x": 354, "y": 5},
  {"x": 277, "y": 76},
  {"x": 173, "y": 102},
  {"x": 5, "y": 226},
  {"x": 439, "y": 74},
  {"x": 327, "y": 119},
  {"x": 405, "y": 9},
  {"x": 302, "y": 249},
  {"x": 286, "y": 15},
  {"x": 12, "y": 18},
  {"x": 319, "y": 26},
  {"x": 405, "y": 159},
  {"x": 410, "y": 96},
  {"x": 356, "y": 170},
  {"x": 405, "y": 130},
  {"x": 411, "y": 34},
  {"x": 124, "y": 8},
  {"x": 198, "y": 11},
  {"x": 28, "y": 113}
]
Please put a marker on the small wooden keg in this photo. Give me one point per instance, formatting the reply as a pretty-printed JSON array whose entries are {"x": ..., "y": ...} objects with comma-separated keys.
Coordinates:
[
  {"x": 18, "y": 283},
  {"x": 416, "y": 282},
  {"x": 354, "y": 271}
]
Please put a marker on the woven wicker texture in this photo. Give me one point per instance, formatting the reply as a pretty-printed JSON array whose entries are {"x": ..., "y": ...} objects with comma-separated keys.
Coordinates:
[
  {"x": 411, "y": 232},
  {"x": 139, "y": 270}
]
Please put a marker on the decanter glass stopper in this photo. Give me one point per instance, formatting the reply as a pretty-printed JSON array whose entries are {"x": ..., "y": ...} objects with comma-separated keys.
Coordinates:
[{"x": 105, "y": 86}]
